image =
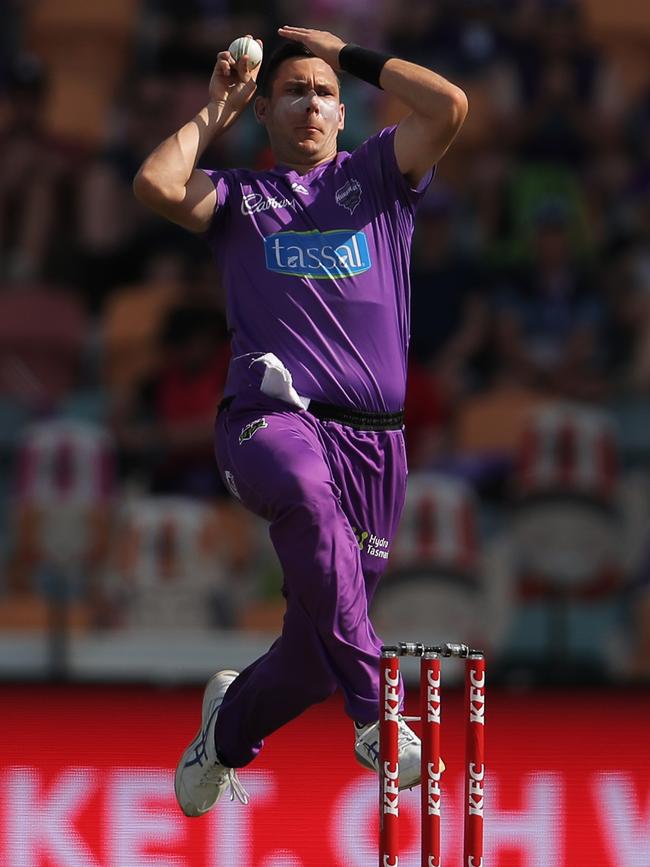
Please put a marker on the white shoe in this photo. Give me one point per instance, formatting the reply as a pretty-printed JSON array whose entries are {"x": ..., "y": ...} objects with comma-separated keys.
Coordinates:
[
  {"x": 366, "y": 749},
  {"x": 200, "y": 778}
]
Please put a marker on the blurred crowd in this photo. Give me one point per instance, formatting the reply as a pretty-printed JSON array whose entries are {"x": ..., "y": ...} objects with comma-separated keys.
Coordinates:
[{"x": 527, "y": 411}]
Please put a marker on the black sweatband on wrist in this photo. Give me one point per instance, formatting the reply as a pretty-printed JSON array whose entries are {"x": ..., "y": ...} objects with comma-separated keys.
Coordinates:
[{"x": 363, "y": 63}]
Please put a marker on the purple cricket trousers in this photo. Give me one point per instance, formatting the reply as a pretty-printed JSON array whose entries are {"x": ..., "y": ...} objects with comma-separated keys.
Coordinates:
[{"x": 333, "y": 496}]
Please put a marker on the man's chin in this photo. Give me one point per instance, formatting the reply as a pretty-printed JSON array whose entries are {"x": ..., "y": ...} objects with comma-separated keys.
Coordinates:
[
  {"x": 310, "y": 150},
  {"x": 308, "y": 144},
  {"x": 307, "y": 152}
]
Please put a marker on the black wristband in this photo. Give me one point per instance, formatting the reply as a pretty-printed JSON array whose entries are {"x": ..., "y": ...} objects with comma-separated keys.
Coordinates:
[{"x": 363, "y": 63}]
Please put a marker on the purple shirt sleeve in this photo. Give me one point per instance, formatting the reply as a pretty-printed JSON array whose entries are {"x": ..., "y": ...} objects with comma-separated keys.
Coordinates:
[{"x": 221, "y": 179}]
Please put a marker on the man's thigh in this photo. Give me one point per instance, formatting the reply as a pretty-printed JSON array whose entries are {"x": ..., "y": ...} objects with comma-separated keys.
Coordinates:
[{"x": 270, "y": 456}]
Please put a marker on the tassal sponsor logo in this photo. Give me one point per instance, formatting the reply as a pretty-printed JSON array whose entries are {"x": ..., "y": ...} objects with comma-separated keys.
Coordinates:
[{"x": 331, "y": 255}]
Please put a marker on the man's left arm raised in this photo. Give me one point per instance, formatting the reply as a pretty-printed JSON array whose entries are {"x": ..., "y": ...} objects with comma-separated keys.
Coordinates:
[{"x": 438, "y": 108}]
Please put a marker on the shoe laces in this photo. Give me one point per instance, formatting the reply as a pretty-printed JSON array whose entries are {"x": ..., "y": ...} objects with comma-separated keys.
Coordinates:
[
  {"x": 217, "y": 775},
  {"x": 236, "y": 787},
  {"x": 406, "y": 735}
]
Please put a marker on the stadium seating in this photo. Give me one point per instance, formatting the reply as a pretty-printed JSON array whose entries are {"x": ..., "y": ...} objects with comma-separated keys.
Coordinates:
[
  {"x": 85, "y": 47},
  {"x": 130, "y": 331},
  {"x": 436, "y": 584},
  {"x": 42, "y": 337},
  {"x": 60, "y": 518},
  {"x": 168, "y": 569}
]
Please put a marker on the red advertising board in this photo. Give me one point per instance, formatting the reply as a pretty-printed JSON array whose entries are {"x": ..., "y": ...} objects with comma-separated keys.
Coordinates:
[{"x": 86, "y": 781}]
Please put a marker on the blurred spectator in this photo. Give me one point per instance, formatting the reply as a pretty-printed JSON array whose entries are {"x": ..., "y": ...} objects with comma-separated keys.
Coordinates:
[
  {"x": 487, "y": 211},
  {"x": 541, "y": 34},
  {"x": 43, "y": 346},
  {"x": 10, "y": 41},
  {"x": 426, "y": 413},
  {"x": 132, "y": 319},
  {"x": 639, "y": 135},
  {"x": 627, "y": 285},
  {"x": 170, "y": 565},
  {"x": 608, "y": 176},
  {"x": 555, "y": 130},
  {"x": 448, "y": 304},
  {"x": 551, "y": 316},
  {"x": 340, "y": 16},
  {"x": 31, "y": 177},
  {"x": 421, "y": 34},
  {"x": 112, "y": 229},
  {"x": 640, "y": 650},
  {"x": 488, "y": 424},
  {"x": 165, "y": 426},
  {"x": 61, "y": 517}
]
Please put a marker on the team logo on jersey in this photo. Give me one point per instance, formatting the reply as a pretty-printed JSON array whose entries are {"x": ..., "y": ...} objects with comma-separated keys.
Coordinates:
[
  {"x": 319, "y": 255},
  {"x": 249, "y": 431},
  {"x": 299, "y": 188},
  {"x": 349, "y": 195}
]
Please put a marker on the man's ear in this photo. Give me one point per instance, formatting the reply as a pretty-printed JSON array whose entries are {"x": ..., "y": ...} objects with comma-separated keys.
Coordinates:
[
  {"x": 341, "y": 116},
  {"x": 260, "y": 107}
]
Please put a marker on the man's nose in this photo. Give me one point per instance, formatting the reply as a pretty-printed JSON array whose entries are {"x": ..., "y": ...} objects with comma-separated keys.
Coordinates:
[{"x": 312, "y": 101}]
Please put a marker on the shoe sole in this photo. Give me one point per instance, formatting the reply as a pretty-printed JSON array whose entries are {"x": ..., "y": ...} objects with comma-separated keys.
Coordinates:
[{"x": 207, "y": 698}]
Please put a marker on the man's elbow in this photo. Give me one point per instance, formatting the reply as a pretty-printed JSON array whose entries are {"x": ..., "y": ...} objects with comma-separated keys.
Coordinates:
[
  {"x": 151, "y": 190},
  {"x": 458, "y": 108},
  {"x": 441, "y": 126},
  {"x": 143, "y": 185}
]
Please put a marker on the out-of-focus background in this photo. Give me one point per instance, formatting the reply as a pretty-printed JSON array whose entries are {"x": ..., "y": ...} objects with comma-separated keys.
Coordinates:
[{"x": 123, "y": 560}]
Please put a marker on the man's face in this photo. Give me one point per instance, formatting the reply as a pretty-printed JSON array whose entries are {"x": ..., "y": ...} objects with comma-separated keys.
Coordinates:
[{"x": 303, "y": 114}]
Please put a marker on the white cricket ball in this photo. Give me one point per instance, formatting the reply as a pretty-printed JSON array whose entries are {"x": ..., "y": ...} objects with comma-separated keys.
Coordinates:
[{"x": 246, "y": 45}]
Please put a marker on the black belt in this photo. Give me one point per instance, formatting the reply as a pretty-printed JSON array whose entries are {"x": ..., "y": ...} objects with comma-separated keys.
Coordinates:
[{"x": 358, "y": 419}]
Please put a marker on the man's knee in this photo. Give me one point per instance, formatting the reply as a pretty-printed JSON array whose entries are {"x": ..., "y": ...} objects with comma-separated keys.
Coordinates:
[
  {"x": 312, "y": 494},
  {"x": 321, "y": 690}
]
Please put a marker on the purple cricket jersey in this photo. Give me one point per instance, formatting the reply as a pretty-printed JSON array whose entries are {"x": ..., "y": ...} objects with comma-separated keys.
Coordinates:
[{"x": 316, "y": 269}]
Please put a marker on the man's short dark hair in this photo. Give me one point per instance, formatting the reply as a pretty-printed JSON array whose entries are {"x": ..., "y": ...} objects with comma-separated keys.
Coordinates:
[{"x": 285, "y": 51}]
